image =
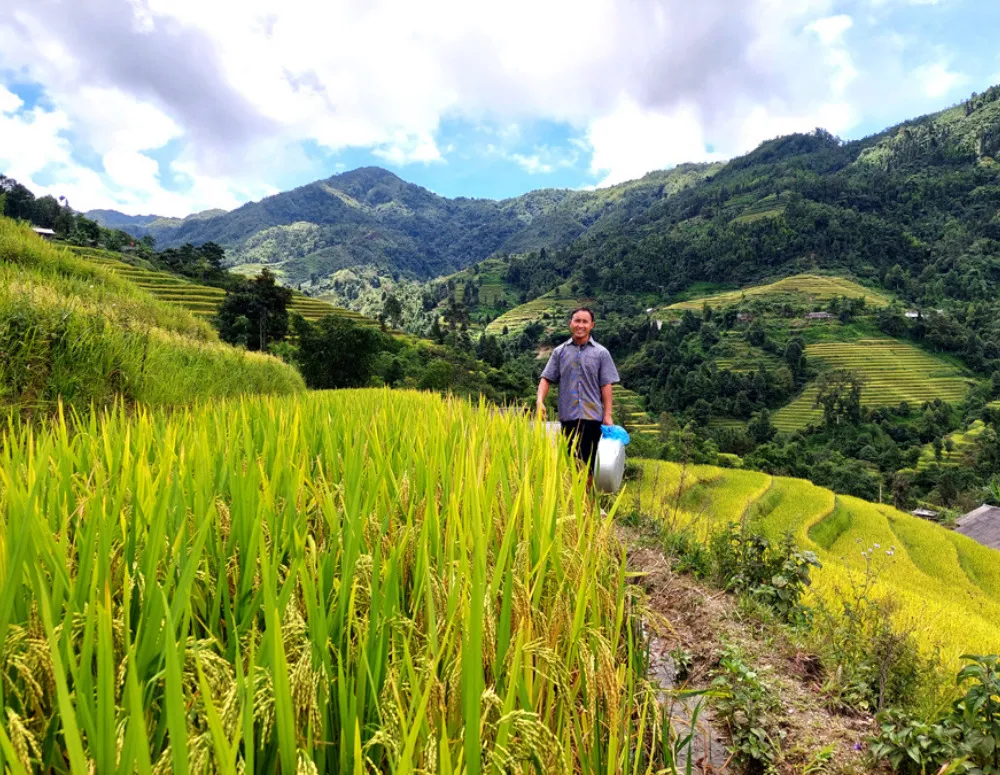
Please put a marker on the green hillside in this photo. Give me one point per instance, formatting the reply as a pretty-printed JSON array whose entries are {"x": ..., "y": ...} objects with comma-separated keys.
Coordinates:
[
  {"x": 200, "y": 300},
  {"x": 370, "y": 217},
  {"x": 946, "y": 586},
  {"x": 71, "y": 330}
]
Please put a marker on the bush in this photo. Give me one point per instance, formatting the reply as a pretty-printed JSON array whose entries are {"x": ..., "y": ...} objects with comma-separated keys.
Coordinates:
[
  {"x": 776, "y": 575},
  {"x": 871, "y": 663},
  {"x": 965, "y": 740}
]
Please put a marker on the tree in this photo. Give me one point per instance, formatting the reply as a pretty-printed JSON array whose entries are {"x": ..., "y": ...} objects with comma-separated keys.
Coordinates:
[
  {"x": 337, "y": 352},
  {"x": 263, "y": 306},
  {"x": 760, "y": 427},
  {"x": 392, "y": 310},
  {"x": 839, "y": 395},
  {"x": 488, "y": 350},
  {"x": 795, "y": 357}
]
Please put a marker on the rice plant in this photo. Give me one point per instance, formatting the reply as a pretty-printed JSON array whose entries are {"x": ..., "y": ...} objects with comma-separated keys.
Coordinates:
[
  {"x": 944, "y": 586},
  {"x": 70, "y": 330},
  {"x": 359, "y": 581}
]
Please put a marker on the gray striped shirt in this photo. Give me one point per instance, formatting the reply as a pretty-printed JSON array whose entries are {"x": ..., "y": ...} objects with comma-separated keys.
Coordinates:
[{"x": 580, "y": 371}]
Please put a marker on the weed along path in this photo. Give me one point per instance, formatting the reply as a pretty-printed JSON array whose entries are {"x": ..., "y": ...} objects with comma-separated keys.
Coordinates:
[{"x": 315, "y": 583}]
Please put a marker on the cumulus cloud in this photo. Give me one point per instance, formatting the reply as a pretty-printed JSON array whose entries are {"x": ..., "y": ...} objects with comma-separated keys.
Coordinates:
[{"x": 236, "y": 87}]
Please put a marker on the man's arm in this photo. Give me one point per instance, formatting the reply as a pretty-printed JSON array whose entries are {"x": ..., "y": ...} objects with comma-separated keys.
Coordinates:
[
  {"x": 550, "y": 374},
  {"x": 543, "y": 391},
  {"x": 608, "y": 376},
  {"x": 606, "y": 399}
]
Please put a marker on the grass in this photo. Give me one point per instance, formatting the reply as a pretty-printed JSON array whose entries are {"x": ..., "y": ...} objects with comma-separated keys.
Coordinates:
[
  {"x": 946, "y": 586},
  {"x": 961, "y": 443},
  {"x": 893, "y": 371},
  {"x": 200, "y": 300},
  {"x": 551, "y": 309},
  {"x": 799, "y": 289},
  {"x": 72, "y": 331},
  {"x": 270, "y": 583}
]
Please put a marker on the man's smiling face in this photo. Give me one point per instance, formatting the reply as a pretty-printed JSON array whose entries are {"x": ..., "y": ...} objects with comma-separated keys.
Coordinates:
[{"x": 581, "y": 324}]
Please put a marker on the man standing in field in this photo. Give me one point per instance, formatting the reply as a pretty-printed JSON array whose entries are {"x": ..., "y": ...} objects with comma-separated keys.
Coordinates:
[{"x": 585, "y": 373}]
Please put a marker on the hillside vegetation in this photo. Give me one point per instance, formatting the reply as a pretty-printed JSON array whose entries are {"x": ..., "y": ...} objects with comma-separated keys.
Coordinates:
[
  {"x": 298, "y": 588},
  {"x": 70, "y": 329},
  {"x": 946, "y": 587}
]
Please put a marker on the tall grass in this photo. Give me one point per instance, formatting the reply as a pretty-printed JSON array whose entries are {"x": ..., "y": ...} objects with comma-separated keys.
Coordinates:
[
  {"x": 71, "y": 331},
  {"x": 360, "y": 581}
]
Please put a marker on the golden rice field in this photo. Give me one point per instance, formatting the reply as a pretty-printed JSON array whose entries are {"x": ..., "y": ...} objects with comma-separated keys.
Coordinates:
[
  {"x": 201, "y": 300},
  {"x": 801, "y": 288},
  {"x": 947, "y": 586},
  {"x": 314, "y": 584},
  {"x": 893, "y": 371}
]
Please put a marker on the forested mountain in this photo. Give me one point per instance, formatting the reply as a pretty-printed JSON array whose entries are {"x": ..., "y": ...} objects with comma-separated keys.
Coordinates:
[{"x": 371, "y": 217}]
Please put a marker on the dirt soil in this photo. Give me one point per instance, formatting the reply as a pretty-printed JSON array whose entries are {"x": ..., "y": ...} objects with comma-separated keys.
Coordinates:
[{"x": 701, "y": 620}]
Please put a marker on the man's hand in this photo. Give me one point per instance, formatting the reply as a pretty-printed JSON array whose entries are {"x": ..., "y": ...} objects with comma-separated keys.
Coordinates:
[
  {"x": 607, "y": 420},
  {"x": 541, "y": 410}
]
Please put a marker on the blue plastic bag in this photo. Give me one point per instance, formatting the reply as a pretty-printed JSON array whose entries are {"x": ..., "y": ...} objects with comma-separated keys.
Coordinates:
[{"x": 615, "y": 432}]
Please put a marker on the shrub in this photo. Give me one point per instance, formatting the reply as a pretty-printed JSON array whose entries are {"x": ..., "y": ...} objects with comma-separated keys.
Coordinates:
[{"x": 775, "y": 574}]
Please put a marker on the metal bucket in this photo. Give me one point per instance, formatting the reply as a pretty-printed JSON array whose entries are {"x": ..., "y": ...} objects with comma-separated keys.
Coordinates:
[{"x": 609, "y": 465}]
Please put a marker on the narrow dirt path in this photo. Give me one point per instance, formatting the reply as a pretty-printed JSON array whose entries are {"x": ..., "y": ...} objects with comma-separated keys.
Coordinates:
[{"x": 701, "y": 621}]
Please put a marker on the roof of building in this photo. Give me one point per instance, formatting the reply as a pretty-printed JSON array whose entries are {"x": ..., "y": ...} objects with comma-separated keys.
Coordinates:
[
  {"x": 924, "y": 513},
  {"x": 40, "y": 230},
  {"x": 818, "y": 315},
  {"x": 982, "y": 525}
]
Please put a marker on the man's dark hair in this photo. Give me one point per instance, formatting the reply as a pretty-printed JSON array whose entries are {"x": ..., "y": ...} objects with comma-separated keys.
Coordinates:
[{"x": 588, "y": 310}]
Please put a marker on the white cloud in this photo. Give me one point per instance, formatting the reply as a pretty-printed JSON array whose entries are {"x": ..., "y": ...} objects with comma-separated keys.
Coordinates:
[
  {"x": 237, "y": 86},
  {"x": 544, "y": 160},
  {"x": 410, "y": 149},
  {"x": 9, "y": 102},
  {"x": 937, "y": 80},
  {"x": 631, "y": 141}
]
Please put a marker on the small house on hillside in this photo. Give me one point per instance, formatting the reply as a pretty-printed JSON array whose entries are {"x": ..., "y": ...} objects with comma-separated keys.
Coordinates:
[
  {"x": 43, "y": 233},
  {"x": 924, "y": 513},
  {"x": 912, "y": 314},
  {"x": 982, "y": 525},
  {"x": 818, "y": 315},
  {"x": 744, "y": 317}
]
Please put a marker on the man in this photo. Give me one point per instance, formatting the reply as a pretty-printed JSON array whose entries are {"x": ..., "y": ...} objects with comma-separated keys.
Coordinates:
[{"x": 585, "y": 373}]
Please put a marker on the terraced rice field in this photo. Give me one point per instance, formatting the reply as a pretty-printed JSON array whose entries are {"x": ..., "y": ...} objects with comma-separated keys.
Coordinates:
[
  {"x": 961, "y": 442},
  {"x": 893, "y": 372},
  {"x": 201, "y": 300},
  {"x": 639, "y": 421},
  {"x": 551, "y": 309},
  {"x": 802, "y": 289},
  {"x": 947, "y": 586},
  {"x": 733, "y": 353}
]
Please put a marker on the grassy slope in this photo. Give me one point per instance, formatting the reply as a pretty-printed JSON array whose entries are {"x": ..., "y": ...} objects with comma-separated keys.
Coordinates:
[
  {"x": 70, "y": 329},
  {"x": 201, "y": 300},
  {"x": 802, "y": 289},
  {"x": 551, "y": 309},
  {"x": 947, "y": 586},
  {"x": 893, "y": 371}
]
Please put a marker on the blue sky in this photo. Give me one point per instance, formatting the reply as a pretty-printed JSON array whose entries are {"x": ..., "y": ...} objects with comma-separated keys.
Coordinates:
[{"x": 172, "y": 106}]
